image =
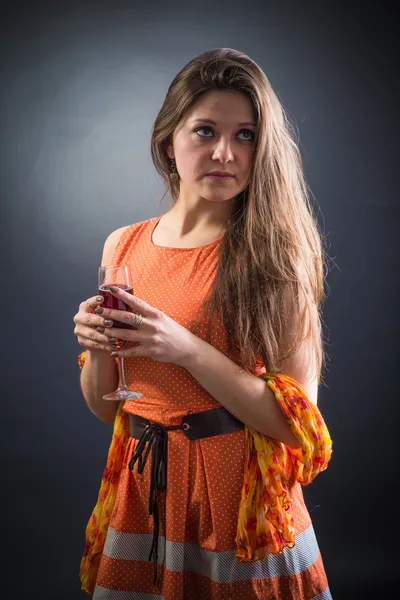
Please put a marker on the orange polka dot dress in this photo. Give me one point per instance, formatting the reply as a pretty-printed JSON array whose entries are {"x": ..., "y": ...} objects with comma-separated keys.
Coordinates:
[{"x": 199, "y": 515}]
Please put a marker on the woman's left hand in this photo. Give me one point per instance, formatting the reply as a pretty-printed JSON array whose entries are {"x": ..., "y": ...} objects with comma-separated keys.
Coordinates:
[{"x": 159, "y": 337}]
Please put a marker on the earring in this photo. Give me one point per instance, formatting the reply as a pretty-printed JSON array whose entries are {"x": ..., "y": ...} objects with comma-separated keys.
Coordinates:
[{"x": 174, "y": 175}]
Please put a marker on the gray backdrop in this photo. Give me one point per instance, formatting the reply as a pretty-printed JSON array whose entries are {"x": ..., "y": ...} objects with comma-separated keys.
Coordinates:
[{"x": 81, "y": 86}]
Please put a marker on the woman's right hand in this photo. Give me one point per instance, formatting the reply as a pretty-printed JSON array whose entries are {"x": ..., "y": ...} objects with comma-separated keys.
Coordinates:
[{"x": 86, "y": 321}]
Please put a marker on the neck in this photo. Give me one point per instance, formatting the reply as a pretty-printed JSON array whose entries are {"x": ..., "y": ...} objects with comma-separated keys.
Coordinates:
[{"x": 185, "y": 218}]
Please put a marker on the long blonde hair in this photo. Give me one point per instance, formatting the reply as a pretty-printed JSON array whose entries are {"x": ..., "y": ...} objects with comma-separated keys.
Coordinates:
[{"x": 269, "y": 284}]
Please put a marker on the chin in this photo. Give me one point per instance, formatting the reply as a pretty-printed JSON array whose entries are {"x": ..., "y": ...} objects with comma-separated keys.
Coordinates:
[
  {"x": 219, "y": 195},
  {"x": 217, "y": 199}
]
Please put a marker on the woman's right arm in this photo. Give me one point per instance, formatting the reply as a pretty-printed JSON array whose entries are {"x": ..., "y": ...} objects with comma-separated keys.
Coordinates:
[{"x": 99, "y": 374}]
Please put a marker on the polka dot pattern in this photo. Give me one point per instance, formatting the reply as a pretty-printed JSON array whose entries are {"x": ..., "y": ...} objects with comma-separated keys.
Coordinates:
[
  {"x": 204, "y": 477},
  {"x": 176, "y": 281}
]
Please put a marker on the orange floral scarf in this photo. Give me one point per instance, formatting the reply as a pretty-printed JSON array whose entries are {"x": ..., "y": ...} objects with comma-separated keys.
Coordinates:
[{"x": 265, "y": 523}]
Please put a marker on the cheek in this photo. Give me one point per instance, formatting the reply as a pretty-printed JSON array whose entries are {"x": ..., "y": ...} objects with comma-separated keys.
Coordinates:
[
  {"x": 247, "y": 161},
  {"x": 192, "y": 162},
  {"x": 248, "y": 157}
]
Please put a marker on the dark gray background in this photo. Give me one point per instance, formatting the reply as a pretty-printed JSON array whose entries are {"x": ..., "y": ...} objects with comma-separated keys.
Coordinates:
[{"x": 81, "y": 86}]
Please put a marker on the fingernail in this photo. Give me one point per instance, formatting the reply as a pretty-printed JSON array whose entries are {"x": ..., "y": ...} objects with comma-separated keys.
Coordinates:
[
  {"x": 113, "y": 340},
  {"x": 99, "y": 299},
  {"x": 113, "y": 289},
  {"x": 108, "y": 323},
  {"x": 99, "y": 310},
  {"x": 100, "y": 329}
]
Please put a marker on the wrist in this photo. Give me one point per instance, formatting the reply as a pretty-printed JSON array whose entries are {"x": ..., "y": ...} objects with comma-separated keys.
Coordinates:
[
  {"x": 99, "y": 356},
  {"x": 193, "y": 356}
]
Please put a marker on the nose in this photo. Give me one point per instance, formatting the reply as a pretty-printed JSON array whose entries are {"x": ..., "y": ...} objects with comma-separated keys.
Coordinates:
[{"x": 223, "y": 151}]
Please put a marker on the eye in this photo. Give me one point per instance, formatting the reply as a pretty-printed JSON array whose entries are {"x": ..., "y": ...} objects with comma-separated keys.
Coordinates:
[
  {"x": 250, "y": 133},
  {"x": 203, "y": 129}
]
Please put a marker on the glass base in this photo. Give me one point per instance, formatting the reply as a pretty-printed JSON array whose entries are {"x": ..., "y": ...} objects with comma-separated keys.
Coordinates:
[{"x": 122, "y": 393}]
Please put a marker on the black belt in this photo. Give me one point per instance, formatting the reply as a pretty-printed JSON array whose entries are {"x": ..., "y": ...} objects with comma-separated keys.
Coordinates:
[{"x": 194, "y": 426}]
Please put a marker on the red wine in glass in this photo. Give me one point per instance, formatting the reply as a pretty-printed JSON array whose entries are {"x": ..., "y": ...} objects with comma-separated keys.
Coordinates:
[
  {"x": 117, "y": 276},
  {"x": 114, "y": 303}
]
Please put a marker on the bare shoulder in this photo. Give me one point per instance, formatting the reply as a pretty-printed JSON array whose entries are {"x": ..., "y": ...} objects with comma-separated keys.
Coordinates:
[{"x": 111, "y": 243}]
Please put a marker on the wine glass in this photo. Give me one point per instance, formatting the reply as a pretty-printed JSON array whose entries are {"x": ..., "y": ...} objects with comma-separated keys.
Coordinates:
[{"x": 117, "y": 276}]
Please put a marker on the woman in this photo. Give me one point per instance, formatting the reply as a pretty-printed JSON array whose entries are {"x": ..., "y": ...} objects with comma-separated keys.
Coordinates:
[{"x": 229, "y": 285}]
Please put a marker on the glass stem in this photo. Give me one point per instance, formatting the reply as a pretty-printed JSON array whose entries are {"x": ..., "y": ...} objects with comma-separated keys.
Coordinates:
[{"x": 122, "y": 371}]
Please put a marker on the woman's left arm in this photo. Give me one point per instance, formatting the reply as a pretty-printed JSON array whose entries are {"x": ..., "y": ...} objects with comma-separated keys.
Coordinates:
[{"x": 247, "y": 396}]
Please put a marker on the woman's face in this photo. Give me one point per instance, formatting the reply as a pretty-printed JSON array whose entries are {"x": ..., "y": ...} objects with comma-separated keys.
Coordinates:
[{"x": 216, "y": 134}]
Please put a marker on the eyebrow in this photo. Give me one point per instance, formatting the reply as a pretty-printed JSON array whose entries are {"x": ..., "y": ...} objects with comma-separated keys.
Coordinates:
[{"x": 214, "y": 123}]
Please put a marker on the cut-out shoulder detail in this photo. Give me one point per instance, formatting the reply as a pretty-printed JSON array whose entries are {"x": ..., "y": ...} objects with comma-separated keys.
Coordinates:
[{"x": 111, "y": 243}]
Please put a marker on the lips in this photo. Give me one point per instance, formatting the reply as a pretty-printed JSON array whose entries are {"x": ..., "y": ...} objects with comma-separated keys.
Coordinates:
[{"x": 221, "y": 175}]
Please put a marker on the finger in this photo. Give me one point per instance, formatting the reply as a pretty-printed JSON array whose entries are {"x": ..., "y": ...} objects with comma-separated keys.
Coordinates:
[
  {"x": 92, "y": 303},
  {"x": 123, "y": 316},
  {"x": 132, "y": 352},
  {"x": 89, "y": 345},
  {"x": 137, "y": 304},
  {"x": 91, "y": 338},
  {"x": 129, "y": 335},
  {"x": 87, "y": 319}
]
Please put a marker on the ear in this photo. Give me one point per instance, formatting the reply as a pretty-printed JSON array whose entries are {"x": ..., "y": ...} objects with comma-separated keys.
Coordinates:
[{"x": 170, "y": 151}]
